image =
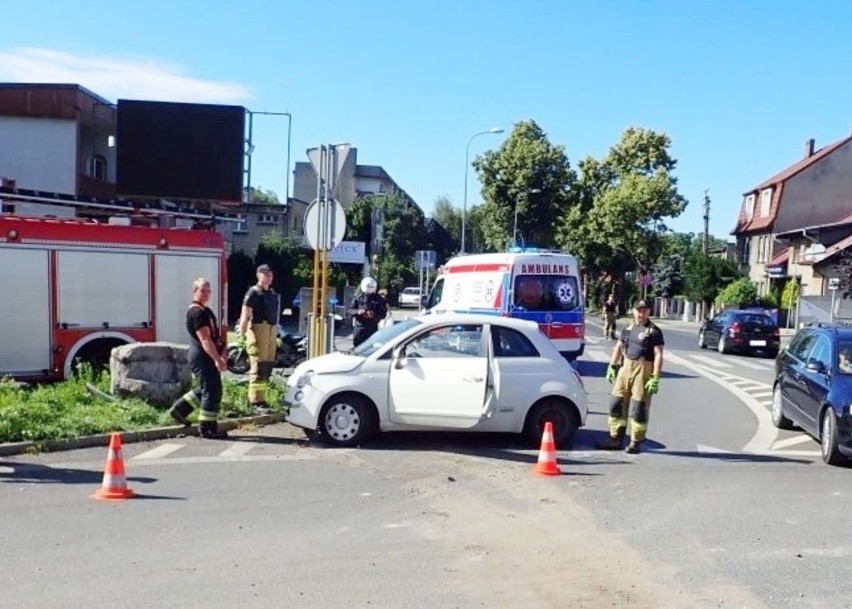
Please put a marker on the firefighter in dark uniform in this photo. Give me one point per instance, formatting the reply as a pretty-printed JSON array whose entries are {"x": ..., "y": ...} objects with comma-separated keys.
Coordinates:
[
  {"x": 207, "y": 362},
  {"x": 609, "y": 311},
  {"x": 368, "y": 309},
  {"x": 258, "y": 327},
  {"x": 635, "y": 366}
]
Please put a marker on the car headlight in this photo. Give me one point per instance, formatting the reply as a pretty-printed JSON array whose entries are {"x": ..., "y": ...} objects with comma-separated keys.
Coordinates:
[{"x": 305, "y": 379}]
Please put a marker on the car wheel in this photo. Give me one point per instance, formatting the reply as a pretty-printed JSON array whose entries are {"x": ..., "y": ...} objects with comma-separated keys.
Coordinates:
[
  {"x": 346, "y": 420},
  {"x": 828, "y": 439},
  {"x": 778, "y": 418},
  {"x": 702, "y": 343},
  {"x": 561, "y": 414},
  {"x": 722, "y": 345}
]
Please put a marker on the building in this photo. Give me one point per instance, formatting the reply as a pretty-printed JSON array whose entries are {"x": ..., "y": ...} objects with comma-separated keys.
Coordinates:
[
  {"x": 254, "y": 221},
  {"x": 57, "y": 138},
  {"x": 815, "y": 191}
]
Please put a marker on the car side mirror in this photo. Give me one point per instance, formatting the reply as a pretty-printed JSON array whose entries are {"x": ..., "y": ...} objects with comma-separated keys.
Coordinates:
[{"x": 816, "y": 366}]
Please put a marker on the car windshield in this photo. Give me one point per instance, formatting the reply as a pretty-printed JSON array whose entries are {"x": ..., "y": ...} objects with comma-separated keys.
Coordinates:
[
  {"x": 844, "y": 357},
  {"x": 383, "y": 337}
]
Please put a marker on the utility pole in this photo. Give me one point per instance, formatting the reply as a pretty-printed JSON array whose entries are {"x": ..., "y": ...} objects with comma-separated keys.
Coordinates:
[{"x": 706, "y": 222}]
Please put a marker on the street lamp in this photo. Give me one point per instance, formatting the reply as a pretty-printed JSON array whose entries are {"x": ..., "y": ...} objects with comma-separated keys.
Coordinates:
[
  {"x": 250, "y": 151},
  {"x": 466, "y": 167},
  {"x": 533, "y": 191}
]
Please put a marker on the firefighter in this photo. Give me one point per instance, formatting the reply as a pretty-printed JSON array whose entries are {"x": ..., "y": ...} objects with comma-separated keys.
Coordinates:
[
  {"x": 258, "y": 327},
  {"x": 207, "y": 362},
  {"x": 609, "y": 310},
  {"x": 635, "y": 366},
  {"x": 368, "y": 309}
]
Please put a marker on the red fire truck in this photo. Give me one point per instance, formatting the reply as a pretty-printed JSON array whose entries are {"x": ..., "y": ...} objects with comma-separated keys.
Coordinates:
[{"x": 71, "y": 290}]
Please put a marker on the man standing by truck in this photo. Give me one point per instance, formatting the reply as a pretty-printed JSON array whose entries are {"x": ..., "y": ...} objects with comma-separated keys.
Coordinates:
[{"x": 258, "y": 326}]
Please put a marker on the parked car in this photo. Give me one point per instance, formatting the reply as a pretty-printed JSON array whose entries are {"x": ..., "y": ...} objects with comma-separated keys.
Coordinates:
[
  {"x": 410, "y": 297},
  {"x": 453, "y": 371},
  {"x": 813, "y": 388},
  {"x": 735, "y": 331}
]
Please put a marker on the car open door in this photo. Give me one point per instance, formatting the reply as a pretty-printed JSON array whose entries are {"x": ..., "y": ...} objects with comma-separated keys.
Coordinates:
[{"x": 440, "y": 377}]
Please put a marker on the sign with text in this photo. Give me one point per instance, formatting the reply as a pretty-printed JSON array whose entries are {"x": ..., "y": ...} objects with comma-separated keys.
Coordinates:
[{"x": 348, "y": 252}]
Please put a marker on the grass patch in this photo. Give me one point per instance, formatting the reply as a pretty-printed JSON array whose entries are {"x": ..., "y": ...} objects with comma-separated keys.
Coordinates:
[{"x": 68, "y": 410}]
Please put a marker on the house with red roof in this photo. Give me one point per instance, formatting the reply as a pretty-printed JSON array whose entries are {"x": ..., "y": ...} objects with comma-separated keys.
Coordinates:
[{"x": 795, "y": 224}]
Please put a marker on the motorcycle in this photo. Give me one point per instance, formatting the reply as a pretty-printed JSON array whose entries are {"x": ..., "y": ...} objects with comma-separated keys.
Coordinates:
[{"x": 291, "y": 351}]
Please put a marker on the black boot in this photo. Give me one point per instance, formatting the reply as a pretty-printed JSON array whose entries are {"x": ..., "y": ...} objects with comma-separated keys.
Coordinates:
[
  {"x": 180, "y": 411},
  {"x": 210, "y": 430},
  {"x": 612, "y": 442},
  {"x": 634, "y": 447}
]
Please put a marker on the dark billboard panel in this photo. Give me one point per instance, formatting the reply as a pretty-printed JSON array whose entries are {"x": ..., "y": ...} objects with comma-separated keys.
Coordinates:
[{"x": 179, "y": 150}]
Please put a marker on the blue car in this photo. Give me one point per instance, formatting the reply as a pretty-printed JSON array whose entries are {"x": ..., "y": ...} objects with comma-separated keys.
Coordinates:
[{"x": 813, "y": 388}]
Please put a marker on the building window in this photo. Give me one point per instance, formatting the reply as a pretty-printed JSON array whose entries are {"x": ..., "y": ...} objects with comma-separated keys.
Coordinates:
[
  {"x": 745, "y": 252},
  {"x": 240, "y": 225},
  {"x": 765, "y": 202},
  {"x": 749, "y": 207},
  {"x": 98, "y": 170},
  {"x": 267, "y": 219}
]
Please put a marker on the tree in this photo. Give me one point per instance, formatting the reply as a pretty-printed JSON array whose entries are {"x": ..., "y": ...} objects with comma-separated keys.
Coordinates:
[
  {"x": 449, "y": 217},
  {"x": 526, "y": 161},
  {"x": 741, "y": 293},
  {"x": 706, "y": 276},
  {"x": 263, "y": 197},
  {"x": 790, "y": 295},
  {"x": 669, "y": 279},
  {"x": 615, "y": 222}
]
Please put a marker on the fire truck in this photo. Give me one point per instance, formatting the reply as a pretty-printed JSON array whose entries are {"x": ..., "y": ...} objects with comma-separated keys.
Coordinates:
[{"x": 72, "y": 290}]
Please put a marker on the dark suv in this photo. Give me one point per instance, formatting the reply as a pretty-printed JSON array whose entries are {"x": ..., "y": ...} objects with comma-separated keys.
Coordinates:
[
  {"x": 813, "y": 388},
  {"x": 742, "y": 332}
]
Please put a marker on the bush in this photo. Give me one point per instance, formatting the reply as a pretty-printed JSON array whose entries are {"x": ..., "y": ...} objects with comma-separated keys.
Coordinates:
[
  {"x": 790, "y": 295},
  {"x": 741, "y": 293}
]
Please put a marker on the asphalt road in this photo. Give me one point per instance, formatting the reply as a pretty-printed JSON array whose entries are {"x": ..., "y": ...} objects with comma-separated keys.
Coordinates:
[{"x": 721, "y": 511}]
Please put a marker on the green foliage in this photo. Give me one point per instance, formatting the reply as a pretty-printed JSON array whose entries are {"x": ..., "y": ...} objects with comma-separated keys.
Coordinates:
[
  {"x": 741, "y": 293},
  {"x": 68, "y": 410},
  {"x": 449, "y": 218},
  {"x": 669, "y": 276},
  {"x": 616, "y": 223},
  {"x": 525, "y": 161},
  {"x": 263, "y": 197},
  {"x": 707, "y": 275},
  {"x": 790, "y": 295}
]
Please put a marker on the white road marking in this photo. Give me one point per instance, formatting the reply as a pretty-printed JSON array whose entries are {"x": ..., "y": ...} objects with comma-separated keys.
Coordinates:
[
  {"x": 710, "y": 361},
  {"x": 702, "y": 448},
  {"x": 761, "y": 394},
  {"x": 237, "y": 449},
  {"x": 218, "y": 459},
  {"x": 753, "y": 365},
  {"x": 800, "y": 439},
  {"x": 158, "y": 452},
  {"x": 766, "y": 432},
  {"x": 598, "y": 355}
]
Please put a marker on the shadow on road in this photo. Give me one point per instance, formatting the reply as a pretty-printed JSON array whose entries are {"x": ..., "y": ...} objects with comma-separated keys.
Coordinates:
[
  {"x": 734, "y": 457},
  {"x": 32, "y": 473},
  {"x": 598, "y": 369}
]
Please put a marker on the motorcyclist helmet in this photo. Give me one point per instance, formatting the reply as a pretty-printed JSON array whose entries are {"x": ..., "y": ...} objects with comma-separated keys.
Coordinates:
[{"x": 368, "y": 285}]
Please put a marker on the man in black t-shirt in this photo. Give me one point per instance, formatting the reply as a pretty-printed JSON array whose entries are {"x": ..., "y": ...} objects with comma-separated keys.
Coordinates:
[
  {"x": 368, "y": 309},
  {"x": 206, "y": 362},
  {"x": 635, "y": 366},
  {"x": 259, "y": 325},
  {"x": 609, "y": 311}
]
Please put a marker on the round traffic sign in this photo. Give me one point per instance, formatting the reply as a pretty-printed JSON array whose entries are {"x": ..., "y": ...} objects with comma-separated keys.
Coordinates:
[{"x": 325, "y": 224}]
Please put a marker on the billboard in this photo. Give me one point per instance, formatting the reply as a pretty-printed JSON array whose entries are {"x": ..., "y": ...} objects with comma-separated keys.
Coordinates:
[{"x": 180, "y": 150}]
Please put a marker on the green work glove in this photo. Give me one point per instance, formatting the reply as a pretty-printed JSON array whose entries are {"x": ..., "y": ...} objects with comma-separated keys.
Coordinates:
[
  {"x": 611, "y": 372},
  {"x": 653, "y": 385},
  {"x": 241, "y": 341}
]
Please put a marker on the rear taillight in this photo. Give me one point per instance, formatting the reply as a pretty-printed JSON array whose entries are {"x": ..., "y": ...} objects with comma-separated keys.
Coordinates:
[{"x": 735, "y": 328}]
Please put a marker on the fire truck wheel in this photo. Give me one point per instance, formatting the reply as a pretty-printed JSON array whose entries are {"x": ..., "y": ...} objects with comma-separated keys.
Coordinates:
[{"x": 97, "y": 353}]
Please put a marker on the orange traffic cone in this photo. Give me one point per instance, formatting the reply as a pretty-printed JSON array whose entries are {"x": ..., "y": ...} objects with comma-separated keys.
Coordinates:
[
  {"x": 547, "y": 465},
  {"x": 114, "y": 486}
]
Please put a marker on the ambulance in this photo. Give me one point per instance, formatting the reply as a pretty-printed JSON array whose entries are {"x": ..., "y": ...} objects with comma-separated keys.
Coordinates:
[{"x": 543, "y": 286}]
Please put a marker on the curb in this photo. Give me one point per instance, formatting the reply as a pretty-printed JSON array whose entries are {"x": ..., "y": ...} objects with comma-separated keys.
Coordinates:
[{"x": 128, "y": 437}]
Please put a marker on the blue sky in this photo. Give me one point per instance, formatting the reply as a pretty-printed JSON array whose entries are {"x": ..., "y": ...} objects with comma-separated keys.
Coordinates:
[{"x": 739, "y": 86}]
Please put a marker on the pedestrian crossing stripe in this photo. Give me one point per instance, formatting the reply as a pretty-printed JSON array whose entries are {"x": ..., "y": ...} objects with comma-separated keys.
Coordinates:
[{"x": 709, "y": 361}]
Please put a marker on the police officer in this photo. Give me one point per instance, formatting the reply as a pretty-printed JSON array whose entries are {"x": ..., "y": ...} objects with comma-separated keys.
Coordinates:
[
  {"x": 368, "y": 309},
  {"x": 258, "y": 326},
  {"x": 207, "y": 362},
  {"x": 635, "y": 366},
  {"x": 609, "y": 310}
]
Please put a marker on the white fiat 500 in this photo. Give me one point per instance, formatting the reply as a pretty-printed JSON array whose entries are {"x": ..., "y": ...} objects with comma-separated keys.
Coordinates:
[{"x": 440, "y": 372}]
